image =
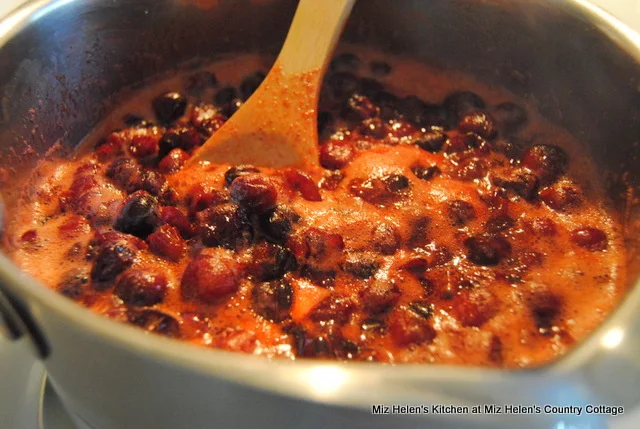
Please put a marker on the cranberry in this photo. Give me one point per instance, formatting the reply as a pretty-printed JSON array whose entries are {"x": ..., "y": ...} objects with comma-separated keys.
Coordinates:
[
  {"x": 254, "y": 192},
  {"x": 29, "y": 237},
  {"x": 240, "y": 170},
  {"x": 418, "y": 228},
  {"x": 461, "y": 212},
  {"x": 139, "y": 216},
  {"x": 334, "y": 308},
  {"x": 174, "y": 217},
  {"x": 270, "y": 262},
  {"x": 406, "y": 327},
  {"x": 155, "y": 321},
  {"x": 336, "y": 154},
  {"x": 73, "y": 284},
  {"x": 472, "y": 169},
  {"x": 523, "y": 184},
  {"x": 373, "y": 127},
  {"x": 460, "y": 142},
  {"x": 169, "y": 107},
  {"x": 107, "y": 150},
  {"x": 460, "y": 103},
  {"x": 321, "y": 244},
  {"x": 379, "y": 191},
  {"x": 561, "y": 198},
  {"x": 166, "y": 242},
  {"x": 301, "y": 182},
  {"x": 543, "y": 227},
  {"x": 431, "y": 140},
  {"x": 546, "y": 161},
  {"x": 499, "y": 222},
  {"x": 331, "y": 180},
  {"x": 380, "y": 296},
  {"x": 345, "y": 61},
  {"x": 386, "y": 239},
  {"x": 224, "y": 225},
  {"x": 545, "y": 306},
  {"x": 479, "y": 123},
  {"x": 199, "y": 82},
  {"x": 592, "y": 239},
  {"x": 272, "y": 300},
  {"x": 250, "y": 83},
  {"x": 475, "y": 307},
  {"x": 123, "y": 172},
  {"x": 202, "y": 196},
  {"x": 173, "y": 162},
  {"x": 140, "y": 288},
  {"x": 342, "y": 84},
  {"x": 277, "y": 224},
  {"x": 510, "y": 117},
  {"x": 425, "y": 173},
  {"x": 150, "y": 181},
  {"x": 359, "y": 107},
  {"x": 380, "y": 68},
  {"x": 112, "y": 259},
  {"x": 320, "y": 277},
  {"x": 211, "y": 276},
  {"x": 487, "y": 249},
  {"x": 184, "y": 138},
  {"x": 207, "y": 118},
  {"x": 361, "y": 265}
]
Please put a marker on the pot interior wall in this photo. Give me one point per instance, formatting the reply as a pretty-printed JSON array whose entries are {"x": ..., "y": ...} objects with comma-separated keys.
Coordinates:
[{"x": 61, "y": 72}]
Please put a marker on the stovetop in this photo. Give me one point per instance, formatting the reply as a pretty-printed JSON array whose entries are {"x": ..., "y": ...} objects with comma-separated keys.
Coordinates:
[{"x": 27, "y": 401}]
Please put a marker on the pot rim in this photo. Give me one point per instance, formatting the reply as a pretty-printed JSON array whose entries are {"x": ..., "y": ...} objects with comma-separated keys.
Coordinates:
[{"x": 356, "y": 384}]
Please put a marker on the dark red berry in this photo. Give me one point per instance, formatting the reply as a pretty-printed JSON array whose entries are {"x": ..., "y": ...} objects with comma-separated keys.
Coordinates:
[
  {"x": 303, "y": 183},
  {"x": 202, "y": 196},
  {"x": 173, "y": 162},
  {"x": 141, "y": 288},
  {"x": 272, "y": 300},
  {"x": 166, "y": 242},
  {"x": 373, "y": 127},
  {"x": 546, "y": 307},
  {"x": 335, "y": 308},
  {"x": 139, "y": 216},
  {"x": 460, "y": 103},
  {"x": 561, "y": 197},
  {"x": 386, "y": 239},
  {"x": 461, "y": 212},
  {"x": 592, "y": 239},
  {"x": 29, "y": 237},
  {"x": 359, "y": 107},
  {"x": 210, "y": 276},
  {"x": 169, "y": 107},
  {"x": 270, "y": 262},
  {"x": 155, "y": 321},
  {"x": 224, "y": 225},
  {"x": 331, "y": 180},
  {"x": 123, "y": 172},
  {"x": 361, "y": 265},
  {"x": 277, "y": 224},
  {"x": 336, "y": 154},
  {"x": 425, "y": 173},
  {"x": 479, "y": 123},
  {"x": 112, "y": 259},
  {"x": 174, "y": 217},
  {"x": 431, "y": 140},
  {"x": 226, "y": 95},
  {"x": 254, "y": 192},
  {"x": 523, "y": 184},
  {"x": 239, "y": 170},
  {"x": 487, "y": 249},
  {"x": 207, "y": 118},
  {"x": 546, "y": 161},
  {"x": 499, "y": 222}
]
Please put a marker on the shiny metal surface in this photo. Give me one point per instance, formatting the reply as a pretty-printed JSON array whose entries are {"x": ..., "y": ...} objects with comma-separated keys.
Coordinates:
[{"x": 63, "y": 62}]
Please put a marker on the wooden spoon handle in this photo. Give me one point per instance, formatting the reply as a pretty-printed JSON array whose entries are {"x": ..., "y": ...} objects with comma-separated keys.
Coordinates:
[{"x": 309, "y": 45}]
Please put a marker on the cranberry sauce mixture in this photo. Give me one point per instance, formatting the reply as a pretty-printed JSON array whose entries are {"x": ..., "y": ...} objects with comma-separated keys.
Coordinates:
[{"x": 444, "y": 226}]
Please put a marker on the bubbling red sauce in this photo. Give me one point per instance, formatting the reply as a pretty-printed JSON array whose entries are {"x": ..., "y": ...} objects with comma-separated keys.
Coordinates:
[{"x": 448, "y": 223}]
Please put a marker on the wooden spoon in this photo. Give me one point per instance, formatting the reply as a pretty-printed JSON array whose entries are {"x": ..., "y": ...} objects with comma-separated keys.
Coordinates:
[{"x": 277, "y": 125}]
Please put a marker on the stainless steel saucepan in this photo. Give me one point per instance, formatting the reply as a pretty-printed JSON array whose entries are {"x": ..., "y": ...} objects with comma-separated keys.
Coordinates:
[{"x": 62, "y": 64}]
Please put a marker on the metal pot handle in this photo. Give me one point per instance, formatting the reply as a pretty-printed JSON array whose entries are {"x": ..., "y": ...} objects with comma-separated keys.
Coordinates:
[{"x": 16, "y": 321}]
